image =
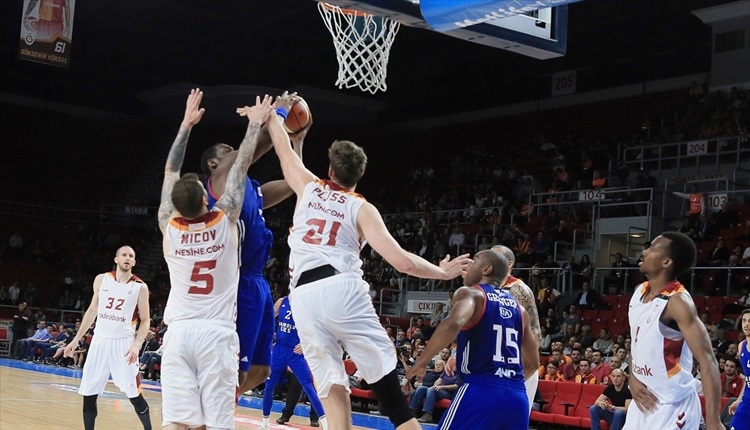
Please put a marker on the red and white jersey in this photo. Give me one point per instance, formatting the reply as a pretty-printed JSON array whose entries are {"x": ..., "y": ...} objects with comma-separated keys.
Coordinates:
[
  {"x": 203, "y": 260},
  {"x": 117, "y": 314},
  {"x": 324, "y": 230},
  {"x": 661, "y": 358}
]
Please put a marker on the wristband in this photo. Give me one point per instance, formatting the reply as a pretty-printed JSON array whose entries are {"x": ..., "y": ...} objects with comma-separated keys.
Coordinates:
[{"x": 282, "y": 112}]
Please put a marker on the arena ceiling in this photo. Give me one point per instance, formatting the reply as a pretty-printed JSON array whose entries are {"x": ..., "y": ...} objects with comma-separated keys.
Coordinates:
[{"x": 122, "y": 49}]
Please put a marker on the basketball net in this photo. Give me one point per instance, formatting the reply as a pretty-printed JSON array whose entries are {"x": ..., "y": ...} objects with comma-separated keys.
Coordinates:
[{"x": 362, "y": 42}]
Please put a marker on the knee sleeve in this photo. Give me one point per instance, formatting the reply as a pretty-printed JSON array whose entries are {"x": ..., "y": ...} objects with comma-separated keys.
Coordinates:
[
  {"x": 140, "y": 405},
  {"x": 388, "y": 391},
  {"x": 89, "y": 404}
]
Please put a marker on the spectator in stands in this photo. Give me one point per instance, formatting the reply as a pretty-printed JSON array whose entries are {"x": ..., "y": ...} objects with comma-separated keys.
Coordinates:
[
  {"x": 14, "y": 292},
  {"x": 418, "y": 324},
  {"x": 546, "y": 339},
  {"x": 616, "y": 277},
  {"x": 552, "y": 372},
  {"x": 585, "y": 337},
  {"x": 50, "y": 354},
  {"x": 745, "y": 256},
  {"x": 551, "y": 269},
  {"x": 456, "y": 239},
  {"x": 39, "y": 315},
  {"x": 688, "y": 229},
  {"x": 731, "y": 381},
  {"x": 15, "y": 245},
  {"x": 547, "y": 297},
  {"x": 719, "y": 255},
  {"x": 570, "y": 345},
  {"x": 725, "y": 217},
  {"x": 612, "y": 404},
  {"x": 697, "y": 202},
  {"x": 432, "y": 375},
  {"x": 540, "y": 247},
  {"x": 721, "y": 343},
  {"x": 584, "y": 375},
  {"x": 600, "y": 369},
  {"x": 444, "y": 388},
  {"x": 553, "y": 324},
  {"x": 605, "y": 342},
  {"x": 571, "y": 369},
  {"x": 732, "y": 350},
  {"x": 154, "y": 359},
  {"x": 587, "y": 297},
  {"x": 573, "y": 320},
  {"x": 24, "y": 345},
  {"x": 711, "y": 328},
  {"x": 401, "y": 339},
  {"x": 585, "y": 270},
  {"x": 30, "y": 294},
  {"x": 599, "y": 181},
  {"x": 615, "y": 363},
  {"x": 704, "y": 228}
]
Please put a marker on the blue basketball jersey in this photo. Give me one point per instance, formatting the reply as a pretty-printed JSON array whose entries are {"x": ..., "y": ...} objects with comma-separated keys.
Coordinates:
[
  {"x": 745, "y": 364},
  {"x": 255, "y": 239},
  {"x": 286, "y": 330},
  {"x": 491, "y": 348}
]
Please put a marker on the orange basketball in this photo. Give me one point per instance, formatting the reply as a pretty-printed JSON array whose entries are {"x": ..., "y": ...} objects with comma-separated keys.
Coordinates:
[{"x": 299, "y": 116}]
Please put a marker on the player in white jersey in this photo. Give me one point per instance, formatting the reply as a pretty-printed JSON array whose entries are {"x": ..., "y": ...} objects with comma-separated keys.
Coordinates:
[
  {"x": 329, "y": 297},
  {"x": 667, "y": 334},
  {"x": 120, "y": 299},
  {"x": 200, "y": 358},
  {"x": 523, "y": 294}
]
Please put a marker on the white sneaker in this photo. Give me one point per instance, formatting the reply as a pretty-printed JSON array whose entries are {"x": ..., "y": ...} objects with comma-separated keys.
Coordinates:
[{"x": 265, "y": 426}]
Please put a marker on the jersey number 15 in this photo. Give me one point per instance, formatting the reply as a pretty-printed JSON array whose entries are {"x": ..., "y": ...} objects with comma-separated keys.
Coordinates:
[{"x": 508, "y": 336}]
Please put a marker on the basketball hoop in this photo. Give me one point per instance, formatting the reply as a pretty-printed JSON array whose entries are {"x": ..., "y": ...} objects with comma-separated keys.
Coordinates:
[{"x": 362, "y": 42}]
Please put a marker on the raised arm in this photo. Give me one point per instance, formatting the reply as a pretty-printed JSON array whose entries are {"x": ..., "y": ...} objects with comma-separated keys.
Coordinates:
[
  {"x": 371, "y": 225},
  {"x": 193, "y": 114},
  {"x": 295, "y": 173},
  {"x": 275, "y": 192},
  {"x": 234, "y": 189},
  {"x": 464, "y": 310}
]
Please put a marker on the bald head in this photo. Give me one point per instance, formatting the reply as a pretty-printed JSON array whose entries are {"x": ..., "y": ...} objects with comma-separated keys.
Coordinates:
[
  {"x": 507, "y": 253},
  {"x": 126, "y": 249}
]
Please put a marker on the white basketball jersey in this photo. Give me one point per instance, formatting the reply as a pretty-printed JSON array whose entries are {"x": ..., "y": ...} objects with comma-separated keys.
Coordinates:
[
  {"x": 116, "y": 315},
  {"x": 324, "y": 230},
  {"x": 203, "y": 260},
  {"x": 661, "y": 358}
]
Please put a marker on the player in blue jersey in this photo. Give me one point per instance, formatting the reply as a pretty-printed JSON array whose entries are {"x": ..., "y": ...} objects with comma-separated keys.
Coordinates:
[
  {"x": 287, "y": 352},
  {"x": 740, "y": 408},
  {"x": 496, "y": 351},
  {"x": 255, "y": 318}
]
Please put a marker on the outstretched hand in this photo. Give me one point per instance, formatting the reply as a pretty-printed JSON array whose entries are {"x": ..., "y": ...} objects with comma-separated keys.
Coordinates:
[
  {"x": 456, "y": 267},
  {"x": 193, "y": 110},
  {"x": 285, "y": 100},
  {"x": 259, "y": 112}
]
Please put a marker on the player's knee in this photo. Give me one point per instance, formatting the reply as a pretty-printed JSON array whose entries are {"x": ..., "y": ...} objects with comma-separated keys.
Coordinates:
[
  {"x": 391, "y": 399},
  {"x": 89, "y": 404},
  {"x": 139, "y": 403}
]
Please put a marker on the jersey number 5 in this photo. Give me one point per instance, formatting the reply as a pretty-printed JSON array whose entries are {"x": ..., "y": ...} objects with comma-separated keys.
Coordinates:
[
  {"x": 314, "y": 236},
  {"x": 199, "y": 276},
  {"x": 511, "y": 342}
]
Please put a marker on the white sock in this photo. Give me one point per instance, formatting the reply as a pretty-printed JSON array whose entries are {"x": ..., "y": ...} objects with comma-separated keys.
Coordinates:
[
  {"x": 266, "y": 420},
  {"x": 323, "y": 421}
]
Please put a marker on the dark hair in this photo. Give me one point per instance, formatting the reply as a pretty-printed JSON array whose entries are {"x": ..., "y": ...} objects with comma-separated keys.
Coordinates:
[
  {"x": 348, "y": 162},
  {"x": 498, "y": 262},
  {"x": 584, "y": 359},
  {"x": 732, "y": 359},
  {"x": 682, "y": 251},
  {"x": 207, "y": 155},
  {"x": 187, "y": 195}
]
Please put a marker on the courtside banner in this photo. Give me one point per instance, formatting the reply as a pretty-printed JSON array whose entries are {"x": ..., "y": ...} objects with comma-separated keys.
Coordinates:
[
  {"x": 446, "y": 15},
  {"x": 47, "y": 31}
]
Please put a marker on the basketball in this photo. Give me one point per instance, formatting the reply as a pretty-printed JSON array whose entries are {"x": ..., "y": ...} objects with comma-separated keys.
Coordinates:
[{"x": 299, "y": 116}]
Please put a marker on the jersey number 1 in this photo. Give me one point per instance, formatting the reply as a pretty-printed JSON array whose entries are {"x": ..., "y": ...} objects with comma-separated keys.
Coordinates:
[
  {"x": 206, "y": 278},
  {"x": 511, "y": 341},
  {"x": 314, "y": 236}
]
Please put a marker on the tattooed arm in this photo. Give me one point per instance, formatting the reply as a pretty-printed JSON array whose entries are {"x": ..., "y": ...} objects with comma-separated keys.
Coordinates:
[
  {"x": 193, "y": 114},
  {"x": 234, "y": 189},
  {"x": 525, "y": 297}
]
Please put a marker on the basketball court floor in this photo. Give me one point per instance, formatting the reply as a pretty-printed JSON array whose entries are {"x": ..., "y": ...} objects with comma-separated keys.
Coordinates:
[{"x": 35, "y": 397}]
